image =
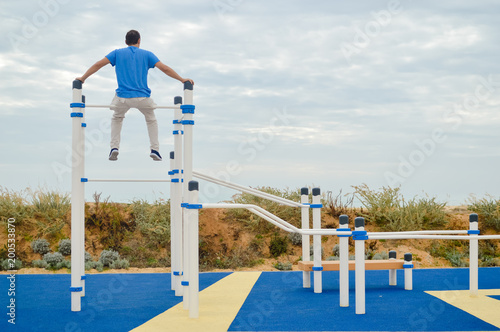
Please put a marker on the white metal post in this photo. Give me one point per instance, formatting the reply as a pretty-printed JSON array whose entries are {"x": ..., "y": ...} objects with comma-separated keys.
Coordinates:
[
  {"x": 408, "y": 267},
  {"x": 306, "y": 241},
  {"x": 359, "y": 236},
  {"x": 173, "y": 222},
  {"x": 344, "y": 261},
  {"x": 175, "y": 203},
  {"x": 192, "y": 220},
  {"x": 316, "y": 214},
  {"x": 393, "y": 278},
  {"x": 77, "y": 195},
  {"x": 187, "y": 122},
  {"x": 473, "y": 255}
]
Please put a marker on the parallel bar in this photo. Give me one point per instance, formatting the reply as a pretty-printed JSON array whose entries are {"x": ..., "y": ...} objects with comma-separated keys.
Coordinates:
[
  {"x": 248, "y": 190},
  {"x": 431, "y": 237},
  {"x": 109, "y": 106},
  {"x": 126, "y": 180},
  {"x": 435, "y": 232}
]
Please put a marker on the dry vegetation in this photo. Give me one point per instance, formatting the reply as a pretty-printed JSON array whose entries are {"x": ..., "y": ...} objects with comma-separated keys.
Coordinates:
[{"x": 236, "y": 239}]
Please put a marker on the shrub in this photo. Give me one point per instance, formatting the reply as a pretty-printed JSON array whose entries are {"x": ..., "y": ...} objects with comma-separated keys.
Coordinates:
[
  {"x": 6, "y": 264},
  {"x": 295, "y": 238},
  {"x": 65, "y": 247},
  {"x": 336, "y": 250},
  {"x": 40, "y": 263},
  {"x": 336, "y": 207},
  {"x": 456, "y": 259},
  {"x": 283, "y": 266},
  {"x": 108, "y": 256},
  {"x": 94, "y": 265},
  {"x": 119, "y": 264},
  {"x": 278, "y": 245},
  {"x": 99, "y": 266},
  {"x": 388, "y": 209},
  {"x": 488, "y": 210},
  {"x": 153, "y": 220},
  {"x": 40, "y": 246},
  {"x": 64, "y": 264},
  {"x": 53, "y": 258},
  {"x": 381, "y": 256},
  {"x": 88, "y": 257},
  {"x": 14, "y": 205},
  {"x": 111, "y": 219}
]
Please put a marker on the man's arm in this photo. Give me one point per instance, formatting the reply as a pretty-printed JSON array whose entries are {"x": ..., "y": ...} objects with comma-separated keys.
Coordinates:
[
  {"x": 170, "y": 72},
  {"x": 93, "y": 69}
]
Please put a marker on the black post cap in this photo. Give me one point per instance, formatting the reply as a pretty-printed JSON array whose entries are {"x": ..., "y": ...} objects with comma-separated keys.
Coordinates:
[
  {"x": 392, "y": 254},
  {"x": 316, "y": 191},
  {"x": 77, "y": 84},
  {"x": 177, "y": 100},
  {"x": 193, "y": 185},
  {"x": 473, "y": 217},
  {"x": 359, "y": 222},
  {"x": 188, "y": 85},
  {"x": 172, "y": 154},
  {"x": 304, "y": 191},
  {"x": 83, "y": 99},
  {"x": 344, "y": 220},
  {"x": 408, "y": 257}
]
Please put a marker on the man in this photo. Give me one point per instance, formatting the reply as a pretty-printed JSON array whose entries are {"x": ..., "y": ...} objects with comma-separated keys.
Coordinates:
[{"x": 132, "y": 65}]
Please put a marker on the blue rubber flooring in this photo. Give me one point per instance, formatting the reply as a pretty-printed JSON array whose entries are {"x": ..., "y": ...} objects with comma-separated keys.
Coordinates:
[{"x": 277, "y": 302}]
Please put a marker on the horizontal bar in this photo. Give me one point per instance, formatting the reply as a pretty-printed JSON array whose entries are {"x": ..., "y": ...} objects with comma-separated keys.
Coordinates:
[
  {"x": 127, "y": 180},
  {"x": 109, "y": 106},
  {"x": 420, "y": 232},
  {"x": 433, "y": 237}
]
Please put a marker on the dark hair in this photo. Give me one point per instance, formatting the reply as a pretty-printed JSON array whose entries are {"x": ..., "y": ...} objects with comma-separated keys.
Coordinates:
[{"x": 132, "y": 37}]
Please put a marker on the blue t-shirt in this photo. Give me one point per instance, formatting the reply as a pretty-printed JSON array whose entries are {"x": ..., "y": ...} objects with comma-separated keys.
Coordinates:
[{"x": 131, "y": 66}]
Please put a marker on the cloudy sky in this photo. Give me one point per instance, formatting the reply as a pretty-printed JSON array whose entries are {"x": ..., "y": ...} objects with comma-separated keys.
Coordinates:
[{"x": 288, "y": 93}]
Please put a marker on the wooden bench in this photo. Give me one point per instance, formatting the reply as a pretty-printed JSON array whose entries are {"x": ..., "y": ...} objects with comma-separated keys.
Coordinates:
[{"x": 390, "y": 264}]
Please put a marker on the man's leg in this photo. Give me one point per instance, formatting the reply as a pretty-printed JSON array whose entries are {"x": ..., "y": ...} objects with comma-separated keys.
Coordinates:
[
  {"x": 120, "y": 108},
  {"x": 147, "y": 107}
]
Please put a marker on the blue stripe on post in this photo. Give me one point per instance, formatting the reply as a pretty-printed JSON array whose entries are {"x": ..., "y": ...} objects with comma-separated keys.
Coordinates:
[
  {"x": 187, "y": 122},
  {"x": 185, "y": 283},
  {"x": 176, "y": 122},
  {"x": 194, "y": 206},
  {"x": 177, "y": 180},
  {"x": 177, "y": 273},
  {"x": 84, "y": 125},
  {"x": 473, "y": 231},
  {"x": 184, "y": 204},
  {"x": 75, "y": 289},
  {"x": 317, "y": 268},
  {"x": 84, "y": 180},
  {"x": 77, "y": 115},
  {"x": 316, "y": 206},
  {"x": 408, "y": 266},
  {"x": 187, "y": 109},
  {"x": 79, "y": 105}
]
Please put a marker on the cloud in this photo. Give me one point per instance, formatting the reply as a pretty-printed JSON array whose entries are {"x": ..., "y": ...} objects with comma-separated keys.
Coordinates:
[{"x": 351, "y": 118}]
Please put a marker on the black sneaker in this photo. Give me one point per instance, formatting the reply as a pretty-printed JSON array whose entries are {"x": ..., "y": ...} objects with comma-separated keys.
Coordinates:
[
  {"x": 113, "y": 155},
  {"x": 155, "y": 155}
]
